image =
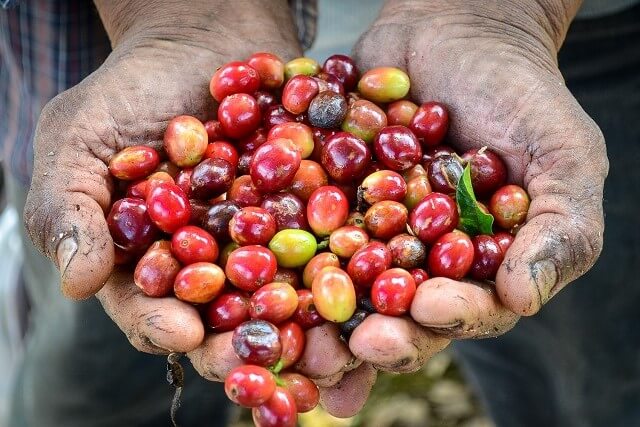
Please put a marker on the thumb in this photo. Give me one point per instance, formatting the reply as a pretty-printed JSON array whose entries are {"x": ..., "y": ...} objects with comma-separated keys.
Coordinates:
[
  {"x": 563, "y": 235},
  {"x": 65, "y": 209}
]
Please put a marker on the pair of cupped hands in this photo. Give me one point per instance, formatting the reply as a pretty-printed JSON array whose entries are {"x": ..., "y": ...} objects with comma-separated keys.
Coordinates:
[{"x": 497, "y": 74}]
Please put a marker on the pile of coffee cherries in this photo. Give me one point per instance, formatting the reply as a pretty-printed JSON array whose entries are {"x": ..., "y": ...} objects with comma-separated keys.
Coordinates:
[{"x": 317, "y": 195}]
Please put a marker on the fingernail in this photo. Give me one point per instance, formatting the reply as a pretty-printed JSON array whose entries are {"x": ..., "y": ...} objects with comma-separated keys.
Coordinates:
[
  {"x": 67, "y": 248},
  {"x": 351, "y": 364},
  {"x": 545, "y": 277}
]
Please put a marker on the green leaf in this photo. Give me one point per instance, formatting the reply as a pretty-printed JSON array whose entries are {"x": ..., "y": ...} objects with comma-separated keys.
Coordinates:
[{"x": 473, "y": 220}]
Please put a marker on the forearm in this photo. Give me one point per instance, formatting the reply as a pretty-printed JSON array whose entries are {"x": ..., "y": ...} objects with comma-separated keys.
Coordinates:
[
  {"x": 546, "y": 20},
  {"x": 212, "y": 24}
]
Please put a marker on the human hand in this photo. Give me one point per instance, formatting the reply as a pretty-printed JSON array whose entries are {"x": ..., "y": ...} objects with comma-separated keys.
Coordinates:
[
  {"x": 494, "y": 66},
  {"x": 160, "y": 67},
  {"x": 151, "y": 76}
]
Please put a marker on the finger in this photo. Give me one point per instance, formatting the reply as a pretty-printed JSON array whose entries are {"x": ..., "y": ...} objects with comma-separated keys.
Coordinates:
[
  {"x": 348, "y": 396},
  {"x": 325, "y": 354},
  {"x": 215, "y": 358},
  {"x": 564, "y": 231},
  {"x": 329, "y": 381},
  {"x": 152, "y": 325},
  {"x": 460, "y": 310},
  {"x": 65, "y": 209},
  {"x": 395, "y": 344}
]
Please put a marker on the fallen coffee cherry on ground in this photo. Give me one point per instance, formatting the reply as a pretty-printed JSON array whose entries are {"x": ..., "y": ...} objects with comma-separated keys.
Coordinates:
[{"x": 316, "y": 195}]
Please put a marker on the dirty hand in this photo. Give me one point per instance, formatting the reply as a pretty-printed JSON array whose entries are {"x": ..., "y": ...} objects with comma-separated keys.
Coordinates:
[{"x": 494, "y": 66}]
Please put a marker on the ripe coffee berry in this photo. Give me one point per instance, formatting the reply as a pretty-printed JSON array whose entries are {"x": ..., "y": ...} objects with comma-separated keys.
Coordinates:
[
  {"x": 199, "y": 283},
  {"x": 216, "y": 220},
  {"x": 278, "y": 411},
  {"x": 249, "y": 385},
  {"x": 430, "y": 123},
  {"x": 393, "y": 291},
  {"x": 345, "y": 70},
  {"x": 192, "y": 244},
  {"x": 234, "y": 77},
  {"x": 327, "y": 210},
  {"x": 303, "y": 182},
  {"x": 250, "y": 267},
  {"x": 252, "y": 226},
  {"x": 274, "y": 164},
  {"x": 434, "y": 216},
  {"x": 345, "y": 157},
  {"x": 168, "y": 207},
  {"x": 239, "y": 115},
  {"x": 227, "y": 311},
  {"x": 274, "y": 302},
  {"x": 222, "y": 150},
  {"x": 130, "y": 225},
  {"x": 270, "y": 68},
  {"x": 257, "y": 342},
  {"x": 185, "y": 141},
  {"x": 305, "y": 393},
  {"x": 156, "y": 270},
  {"x": 488, "y": 171},
  {"x": 287, "y": 210},
  {"x": 487, "y": 258},
  {"x": 293, "y": 340},
  {"x": 509, "y": 206},
  {"x": 397, "y": 148},
  {"x": 134, "y": 163},
  {"x": 444, "y": 172},
  {"x": 504, "y": 240},
  {"x": 306, "y": 314},
  {"x": 451, "y": 255},
  {"x": 368, "y": 262},
  {"x": 298, "y": 93}
]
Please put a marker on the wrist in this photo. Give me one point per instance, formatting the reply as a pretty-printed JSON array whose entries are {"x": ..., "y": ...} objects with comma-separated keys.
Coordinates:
[
  {"x": 228, "y": 29},
  {"x": 546, "y": 21}
]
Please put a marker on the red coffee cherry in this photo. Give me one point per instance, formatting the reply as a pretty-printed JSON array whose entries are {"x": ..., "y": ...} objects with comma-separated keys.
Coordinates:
[
  {"x": 249, "y": 385},
  {"x": 451, "y": 256},
  {"x": 392, "y": 292},
  {"x": 234, "y": 77}
]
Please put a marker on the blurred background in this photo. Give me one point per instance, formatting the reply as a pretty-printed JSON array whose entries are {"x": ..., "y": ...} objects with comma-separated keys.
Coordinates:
[{"x": 435, "y": 396}]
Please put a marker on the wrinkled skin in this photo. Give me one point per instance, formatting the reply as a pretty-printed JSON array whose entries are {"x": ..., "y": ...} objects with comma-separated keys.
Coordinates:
[
  {"x": 498, "y": 75},
  {"x": 147, "y": 80},
  {"x": 496, "y": 72}
]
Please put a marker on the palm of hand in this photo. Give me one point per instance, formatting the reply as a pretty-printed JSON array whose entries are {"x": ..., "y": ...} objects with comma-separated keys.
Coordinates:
[{"x": 505, "y": 92}]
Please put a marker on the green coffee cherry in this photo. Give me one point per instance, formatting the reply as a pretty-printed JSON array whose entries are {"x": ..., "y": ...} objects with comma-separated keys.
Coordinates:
[
  {"x": 384, "y": 84},
  {"x": 293, "y": 248},
  {"x": 302, "y": 65}
]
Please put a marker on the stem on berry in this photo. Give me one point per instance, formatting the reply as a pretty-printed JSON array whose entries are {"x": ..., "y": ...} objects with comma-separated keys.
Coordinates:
[
  {"x": 277, "y": 367},
  {"x": 324, "y": 244}
]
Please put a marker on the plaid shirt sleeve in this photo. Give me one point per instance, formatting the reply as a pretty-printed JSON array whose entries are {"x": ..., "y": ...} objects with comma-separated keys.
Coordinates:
[{"x": 48, "y": 46}]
